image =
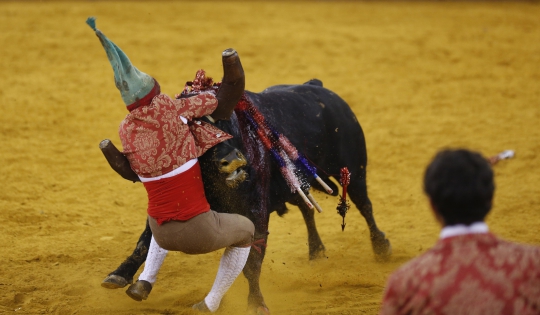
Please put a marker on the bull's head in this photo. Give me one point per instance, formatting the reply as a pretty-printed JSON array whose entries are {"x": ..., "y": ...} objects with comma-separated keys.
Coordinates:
[
  {"x": 222, "y": 163},
  {"x": 231, "y": 163}
]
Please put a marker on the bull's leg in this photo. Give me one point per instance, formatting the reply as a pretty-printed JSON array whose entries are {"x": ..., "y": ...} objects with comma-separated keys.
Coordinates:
[
  {"x": 316, "y": 247},
  {"x": 123, "y": 275},
  {"x": 252, "y": 271},
  {"x": 358, "y": 194}
]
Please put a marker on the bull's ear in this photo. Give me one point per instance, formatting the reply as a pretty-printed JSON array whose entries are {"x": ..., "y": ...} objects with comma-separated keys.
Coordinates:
[
  {"x": 118, "y": 161},
  {"x": 232, "y": 86}
]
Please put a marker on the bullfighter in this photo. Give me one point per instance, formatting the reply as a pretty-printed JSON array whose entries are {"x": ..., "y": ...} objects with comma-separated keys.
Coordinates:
[{"x": 162, "y": 140}]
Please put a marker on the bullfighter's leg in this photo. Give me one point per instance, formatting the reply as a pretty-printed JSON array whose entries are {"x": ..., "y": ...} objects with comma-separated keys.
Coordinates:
[
  {"x": 123, "y": 275},
  {"x": 316, "y": 247},
  {"x": 205, "y": 233},
  {"x": 252, "y": 272},
  {"x": 358, "y": 194},
  {"x": 231, "y": 264},
  {"x": 141, "y": 289}
]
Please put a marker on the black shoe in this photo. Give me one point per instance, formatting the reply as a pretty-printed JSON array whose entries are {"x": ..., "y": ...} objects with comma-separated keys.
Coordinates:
[
  {"x": 139, "y": 290},
  {"x": 115, "y": 282}
]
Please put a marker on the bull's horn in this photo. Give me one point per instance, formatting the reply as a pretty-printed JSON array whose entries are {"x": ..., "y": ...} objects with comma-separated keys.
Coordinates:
[
  {"x": 232, "y": 86},
  {"x": 118, "y": 161}
]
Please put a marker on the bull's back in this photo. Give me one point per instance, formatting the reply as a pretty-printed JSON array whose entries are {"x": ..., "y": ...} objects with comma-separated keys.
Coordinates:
[{"x": 317, "y": 121}]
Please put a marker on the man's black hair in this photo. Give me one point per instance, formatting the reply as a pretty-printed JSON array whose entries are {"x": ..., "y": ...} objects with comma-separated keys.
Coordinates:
[{"x": 460, "y": 185}]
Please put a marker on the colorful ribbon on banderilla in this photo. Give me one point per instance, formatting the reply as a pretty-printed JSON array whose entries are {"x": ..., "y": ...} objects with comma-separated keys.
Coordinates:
[{"x": 294, "y": 167}]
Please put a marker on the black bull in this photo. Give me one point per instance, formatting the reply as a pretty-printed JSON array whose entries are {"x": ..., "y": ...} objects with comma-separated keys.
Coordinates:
[{"x": 321, "y": 126}]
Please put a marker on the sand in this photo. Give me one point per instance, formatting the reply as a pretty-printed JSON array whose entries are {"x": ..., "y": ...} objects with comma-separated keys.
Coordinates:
[{"x": 419, "y": 76}]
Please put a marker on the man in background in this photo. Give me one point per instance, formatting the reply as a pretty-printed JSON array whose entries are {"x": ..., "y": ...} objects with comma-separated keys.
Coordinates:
[{"x": 469, "y": 270}]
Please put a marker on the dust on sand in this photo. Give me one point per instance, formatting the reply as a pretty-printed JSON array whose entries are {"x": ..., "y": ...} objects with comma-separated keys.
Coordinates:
[{"x": 419, "y": 76}]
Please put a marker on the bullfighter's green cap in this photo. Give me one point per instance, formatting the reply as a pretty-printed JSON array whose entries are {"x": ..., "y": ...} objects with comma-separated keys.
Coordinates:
[{"x": 136, "y": 88}]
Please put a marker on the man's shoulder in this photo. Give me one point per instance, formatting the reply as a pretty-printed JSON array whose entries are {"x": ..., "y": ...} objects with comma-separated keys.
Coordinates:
[
  {"x": 515, "y": 251},
  {"x": 159, "y": 102},
  {"x": 425, "y": 263},
  {"x": 489, "y": 244},
  {"x": 450, "y": 249}
]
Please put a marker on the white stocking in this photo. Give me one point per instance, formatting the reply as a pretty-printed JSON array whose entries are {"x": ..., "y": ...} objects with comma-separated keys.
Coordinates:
[
  {"x": 153, "y": 262},
  {"x": 231, "y": 264}
]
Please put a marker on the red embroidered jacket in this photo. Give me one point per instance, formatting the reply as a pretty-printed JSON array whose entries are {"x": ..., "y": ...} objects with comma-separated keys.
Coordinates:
[
  {"x": 468, "y": 274},
  {"x": 156, "y": 141}
]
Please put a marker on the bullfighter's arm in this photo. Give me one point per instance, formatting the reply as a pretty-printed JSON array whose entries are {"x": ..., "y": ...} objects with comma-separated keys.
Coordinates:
[
  {"x": 196, "y": 106},
  {"x": 118, "y": 161}
]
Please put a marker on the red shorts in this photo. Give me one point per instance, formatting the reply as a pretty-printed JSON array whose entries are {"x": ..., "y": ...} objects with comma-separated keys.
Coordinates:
[{"x": 178, "y": 198}]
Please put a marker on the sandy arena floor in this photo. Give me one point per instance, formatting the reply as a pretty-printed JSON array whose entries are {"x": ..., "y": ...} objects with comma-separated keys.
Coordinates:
[{"x": 419, "y": 76}]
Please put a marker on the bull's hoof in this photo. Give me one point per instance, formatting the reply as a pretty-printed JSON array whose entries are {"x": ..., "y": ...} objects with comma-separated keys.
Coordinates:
[
  {"x": 261, "y": 310},
  {"x": 317, "y": 253},
  {"x": 139, "y": 290},
  {"x": 115, "y": 282},
  {"x": 201, "y": 307},
  {"x": 382, "y": 248}
]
